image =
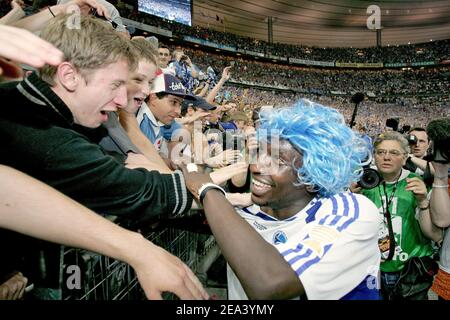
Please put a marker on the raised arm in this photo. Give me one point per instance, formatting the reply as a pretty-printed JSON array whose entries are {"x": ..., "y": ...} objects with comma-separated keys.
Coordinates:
[
  {"x": 194, "y": 72},
  {"x": 420, "y": 163},
  {"x": 39, "y": 20},
  {"x": 440, "y": 201},
  {"x": 204, "y": 90},
  {"x": 429, "y": 229},
  {"x": 16, "y": 13},
  {"x": 226, "y": 74},
  {"x": 32, "y": 208},
  {"x": 260, "y": 268}
]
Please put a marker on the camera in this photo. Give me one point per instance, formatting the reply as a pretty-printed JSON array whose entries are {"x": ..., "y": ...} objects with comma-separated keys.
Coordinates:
[
  {"x": 438, "y": 152},
  {"x": 438, "y": 131},
  {"x": 370, "y": 178},
  {"x": 405, "y": 129},
  {"x": 392, "y": 123},
  {"x": 412, "y": 139}
]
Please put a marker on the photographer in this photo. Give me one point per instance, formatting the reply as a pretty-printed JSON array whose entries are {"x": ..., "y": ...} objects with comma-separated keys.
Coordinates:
[
  {"x": 419, "y": 143},
  {"x": 420, "y": 146},
  {"x": 184, "y": 69},
  {"x": 402, "y": 200}
]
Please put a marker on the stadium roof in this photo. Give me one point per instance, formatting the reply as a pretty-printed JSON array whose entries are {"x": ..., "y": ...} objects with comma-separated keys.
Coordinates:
[{"x": 327, "y": 23}]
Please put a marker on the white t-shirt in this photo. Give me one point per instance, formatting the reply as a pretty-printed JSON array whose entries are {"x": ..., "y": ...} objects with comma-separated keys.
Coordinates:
[{"x": 332, "y": 245}]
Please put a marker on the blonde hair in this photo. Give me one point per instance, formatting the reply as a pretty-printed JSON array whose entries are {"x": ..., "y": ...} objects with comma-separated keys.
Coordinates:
[
  {"x": 392, "y": 136},
  {"x": 91, "y": 45},
  {"x": 145, "y": 50}
]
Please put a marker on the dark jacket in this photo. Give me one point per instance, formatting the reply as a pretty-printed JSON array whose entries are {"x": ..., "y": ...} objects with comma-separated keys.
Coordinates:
[{"x": 39, "y": 138}]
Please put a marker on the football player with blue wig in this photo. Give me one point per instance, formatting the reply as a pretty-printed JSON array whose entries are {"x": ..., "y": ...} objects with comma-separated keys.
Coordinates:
[
  {"x": 333, "y": 154},
  {"x": 304, "y": 235}
]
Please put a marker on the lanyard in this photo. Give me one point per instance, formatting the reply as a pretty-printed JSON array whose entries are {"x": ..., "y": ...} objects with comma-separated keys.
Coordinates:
[
  {"x": 387, "y": 215},
  {"x": 391, "y": 197}
]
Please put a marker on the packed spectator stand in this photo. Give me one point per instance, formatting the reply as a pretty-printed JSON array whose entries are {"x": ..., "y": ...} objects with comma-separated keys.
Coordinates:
[
  {"x": 411, "y": 78},
  {"x": 408, "y": 83}
]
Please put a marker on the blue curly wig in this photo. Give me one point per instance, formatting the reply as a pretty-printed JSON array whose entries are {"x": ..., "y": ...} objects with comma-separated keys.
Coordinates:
[{"x": 333, "y": 154}]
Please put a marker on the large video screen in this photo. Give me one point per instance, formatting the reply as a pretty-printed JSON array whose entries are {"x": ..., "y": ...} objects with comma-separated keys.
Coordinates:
[{"x": 176, "y": 10}]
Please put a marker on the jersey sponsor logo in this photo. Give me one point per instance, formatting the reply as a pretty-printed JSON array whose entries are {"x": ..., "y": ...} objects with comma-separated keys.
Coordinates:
[{"x": 279, "y": 237}]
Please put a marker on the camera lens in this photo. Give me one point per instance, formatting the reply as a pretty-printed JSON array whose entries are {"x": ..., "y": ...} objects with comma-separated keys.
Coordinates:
[
  {"x": 412, "y": 139},
  {"x": 370, "y": 179}
]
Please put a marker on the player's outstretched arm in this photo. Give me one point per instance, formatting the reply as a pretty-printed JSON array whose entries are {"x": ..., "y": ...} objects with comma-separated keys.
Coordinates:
[{"x": 33, "y": 208}]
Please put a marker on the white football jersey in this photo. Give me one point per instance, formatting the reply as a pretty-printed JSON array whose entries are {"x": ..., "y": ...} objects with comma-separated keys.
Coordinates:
[{"x": 332, "y": 245}]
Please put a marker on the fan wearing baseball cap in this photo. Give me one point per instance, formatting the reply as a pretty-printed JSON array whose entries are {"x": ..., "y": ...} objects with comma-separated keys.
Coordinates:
[{"x": 157, "y": 118}]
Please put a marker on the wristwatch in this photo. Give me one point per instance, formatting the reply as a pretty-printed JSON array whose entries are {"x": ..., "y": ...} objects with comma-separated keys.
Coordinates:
[{"x": 426, "y": 207}]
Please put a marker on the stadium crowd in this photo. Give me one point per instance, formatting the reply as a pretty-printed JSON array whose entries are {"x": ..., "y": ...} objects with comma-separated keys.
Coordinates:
[
  {"x": 97, "y": 123},
  {"x": 437, "y": 50}
]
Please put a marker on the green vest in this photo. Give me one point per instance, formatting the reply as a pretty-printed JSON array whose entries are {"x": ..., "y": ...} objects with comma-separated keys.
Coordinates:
[{"x": 409, "y": 239}]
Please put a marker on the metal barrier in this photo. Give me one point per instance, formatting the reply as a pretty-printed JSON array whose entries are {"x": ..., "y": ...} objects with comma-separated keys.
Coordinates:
[{"x": 104, "y": 278}]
